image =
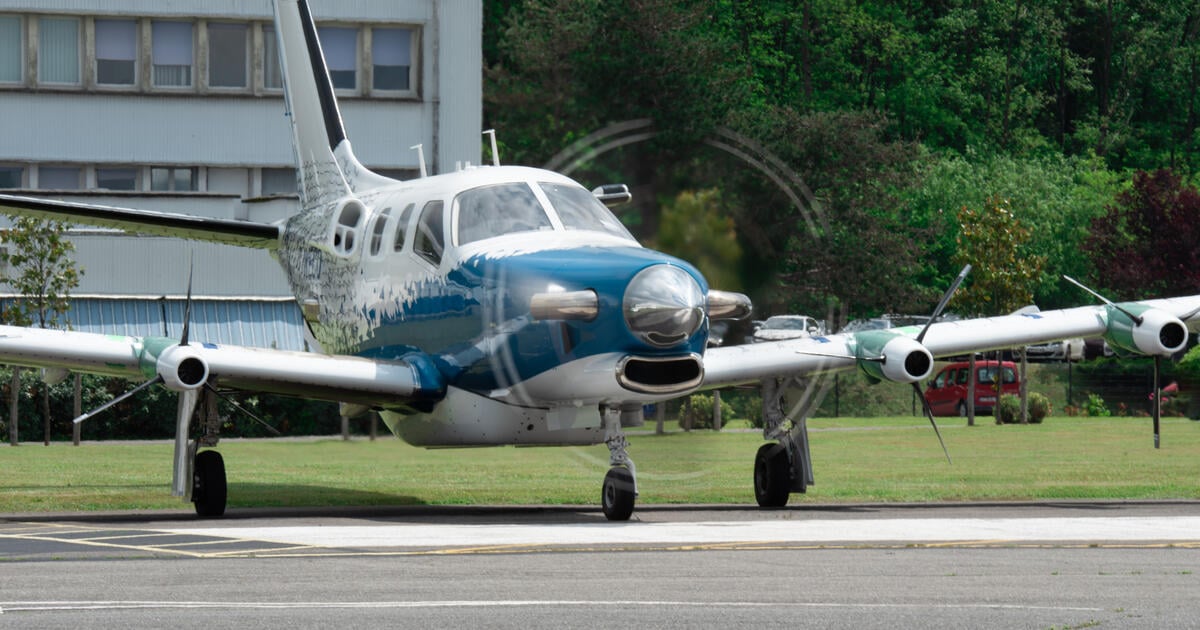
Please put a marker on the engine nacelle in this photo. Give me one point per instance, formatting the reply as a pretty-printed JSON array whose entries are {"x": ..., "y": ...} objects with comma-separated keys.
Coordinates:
[
  {"x": 893, "y": 357},
  {"x": 181, "y": 368},
  {"x": 1159, "y": 333}
]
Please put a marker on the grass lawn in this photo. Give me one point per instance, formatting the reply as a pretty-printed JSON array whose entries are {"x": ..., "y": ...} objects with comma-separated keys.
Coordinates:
[{"x": 865, "y": 459}]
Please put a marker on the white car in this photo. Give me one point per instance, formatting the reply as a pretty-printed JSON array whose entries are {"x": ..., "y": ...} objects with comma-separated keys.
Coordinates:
[{"x": 781, "y": 327}]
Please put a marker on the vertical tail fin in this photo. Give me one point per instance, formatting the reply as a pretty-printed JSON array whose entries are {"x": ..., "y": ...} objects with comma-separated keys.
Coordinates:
[{"x": 326, "y": 168}]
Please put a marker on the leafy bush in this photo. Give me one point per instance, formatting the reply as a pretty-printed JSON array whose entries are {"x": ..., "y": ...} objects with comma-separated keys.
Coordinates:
[
  {"x": 1009, "y": 409},
  {"x": 1039, "y": 407},
  {"x": 1095, "y": 406},
  {"x": 697, "y": 414}
]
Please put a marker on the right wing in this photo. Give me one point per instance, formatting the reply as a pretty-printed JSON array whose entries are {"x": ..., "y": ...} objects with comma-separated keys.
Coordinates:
[
  {"x": 231, "y": 232},
  {"x": 303, "y": 374},
  {"x": 1161, "y": 333}
]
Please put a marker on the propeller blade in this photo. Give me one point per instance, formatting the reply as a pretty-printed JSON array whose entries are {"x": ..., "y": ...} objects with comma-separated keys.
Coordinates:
[
  {"x": 929, "y": 414},
  {"x": 242, "y": 409},
  {"x": 154, "y": 381},
  {"x": 1136, "y": 318},
  {"x": 187, "y": 305},
  {"x": 937, "y": 312},
  {"x": 1157, "y": 398}
]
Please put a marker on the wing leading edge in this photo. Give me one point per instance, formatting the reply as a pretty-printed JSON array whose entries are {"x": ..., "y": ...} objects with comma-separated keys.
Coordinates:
[
  {"x": 307, "y": 375},
  {"x": 230, "y": 232},
  {"x": 735, "y": 365}
]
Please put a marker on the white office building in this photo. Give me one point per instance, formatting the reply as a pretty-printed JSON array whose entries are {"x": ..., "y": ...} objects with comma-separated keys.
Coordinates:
[{"x": 178, "y": 106}]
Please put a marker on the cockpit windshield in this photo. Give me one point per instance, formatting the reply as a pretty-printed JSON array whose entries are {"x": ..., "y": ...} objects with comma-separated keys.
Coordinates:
[
  {"x": 490, "y": 211},
  {"x": 579, "y": 209},
  {"x": 515, "y": 207}
]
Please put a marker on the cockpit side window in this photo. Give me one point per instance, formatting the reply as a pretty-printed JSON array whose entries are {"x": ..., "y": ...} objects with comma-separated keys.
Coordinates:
[
  {"x": 402, "y": 227},
  {"x": 489, "y": 211},
  {"x": 430, "y": 241},
  {"x": 580, "y": 210}
]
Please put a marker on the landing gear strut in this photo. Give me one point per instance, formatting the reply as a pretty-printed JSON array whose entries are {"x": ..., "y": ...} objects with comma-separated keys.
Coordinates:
[
  {"x": 199, "y": 476},
  {"x": 619, "y": 492},
  {"x": 784, "y": 466}
]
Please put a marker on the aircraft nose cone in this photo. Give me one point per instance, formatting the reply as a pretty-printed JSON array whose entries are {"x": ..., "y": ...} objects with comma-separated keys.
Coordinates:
[{"x": 663, "y": 305}]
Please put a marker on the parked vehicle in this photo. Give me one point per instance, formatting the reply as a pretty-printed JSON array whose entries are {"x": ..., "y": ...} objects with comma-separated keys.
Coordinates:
[
  {"x": 1069, "y": 350},
  {"x": 781, "y": 327},
  {"x": 947, "y": 392}
]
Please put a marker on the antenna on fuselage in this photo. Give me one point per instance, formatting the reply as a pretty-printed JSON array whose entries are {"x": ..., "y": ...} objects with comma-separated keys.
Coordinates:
[
  {"x": 491, "y": 133},
  {"x": 421, "y": 158}
]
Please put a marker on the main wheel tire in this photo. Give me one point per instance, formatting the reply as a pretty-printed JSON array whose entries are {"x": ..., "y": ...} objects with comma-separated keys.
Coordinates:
[
  {"x": 208, "y": 484},
  {"x": 962, "y": 409},
  {"x": 618, "y": 496},
  {"x": 771, "y": 480}
]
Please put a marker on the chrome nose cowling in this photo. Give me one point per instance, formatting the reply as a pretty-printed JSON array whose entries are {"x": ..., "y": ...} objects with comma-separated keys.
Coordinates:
[{"x": 663, "y": 305}]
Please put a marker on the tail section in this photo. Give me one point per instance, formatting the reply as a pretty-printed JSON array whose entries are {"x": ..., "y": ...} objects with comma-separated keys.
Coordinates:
[{"x": 326, "y": 168}]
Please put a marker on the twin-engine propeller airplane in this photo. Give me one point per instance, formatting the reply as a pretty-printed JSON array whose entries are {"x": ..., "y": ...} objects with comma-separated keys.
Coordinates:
[{"x": 497, "y": 305}]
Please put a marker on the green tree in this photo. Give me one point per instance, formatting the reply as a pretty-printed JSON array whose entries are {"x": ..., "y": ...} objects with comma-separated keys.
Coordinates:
[
  {"x": 694, "y": 228},
  {"x": 994, "y": 242},
  {"x": 38, "y": 267}
]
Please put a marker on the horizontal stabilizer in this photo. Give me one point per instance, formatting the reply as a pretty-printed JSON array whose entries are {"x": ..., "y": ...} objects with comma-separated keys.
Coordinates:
[{"x": 228, "y": 231}]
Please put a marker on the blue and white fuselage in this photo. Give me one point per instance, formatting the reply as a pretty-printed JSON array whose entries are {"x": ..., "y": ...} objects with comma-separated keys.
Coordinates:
[{"x": 444, "y": 273}]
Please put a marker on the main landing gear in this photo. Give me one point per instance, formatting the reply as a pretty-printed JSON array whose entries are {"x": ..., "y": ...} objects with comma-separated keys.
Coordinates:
[
  {"x": 619, "y": 492},
  {"x": 784, "y": 466},
  {"x": 199, "y": 475}
]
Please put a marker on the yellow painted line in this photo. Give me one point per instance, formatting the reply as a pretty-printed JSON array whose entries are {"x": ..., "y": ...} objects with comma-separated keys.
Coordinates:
[
  {"x": 93, "y": 543},
  {"x": 147, "y": 534}
]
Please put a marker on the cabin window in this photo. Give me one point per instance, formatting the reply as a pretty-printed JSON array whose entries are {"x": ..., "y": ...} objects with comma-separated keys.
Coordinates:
[
  {"x": 377, "y": 229},
  {"x": 345, "y": 228},
  {"x": 402, "y": 228},
  {"x": 490, "y": 211},
  {"x": 430, "y": 241},
  {"x": 578, "y": 209}
]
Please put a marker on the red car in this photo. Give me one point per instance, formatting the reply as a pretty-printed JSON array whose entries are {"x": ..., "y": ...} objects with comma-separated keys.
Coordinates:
[{"x": 947, "y": 392}]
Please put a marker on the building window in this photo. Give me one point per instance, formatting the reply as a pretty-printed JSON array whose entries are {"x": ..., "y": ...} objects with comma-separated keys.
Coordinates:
[
  {"x": 164, "y": 178},
  {"x": 59, "y": 177},
  {"x": 227, "y": 55},
  {"x": 172, "y": 54},
  {"x": 340, "y": 45},
  {"x": 272, "y": 70},
  {"x": 116, "y": 52},
  {"x": 116, "y": 178},
  {"x": 12, "y": 177},
  {"x": 58, "y": 50},
  {"x": 278, "y": 181},
  {"x": 391, "y": 58},
  {"x": 12, "y": 47}
]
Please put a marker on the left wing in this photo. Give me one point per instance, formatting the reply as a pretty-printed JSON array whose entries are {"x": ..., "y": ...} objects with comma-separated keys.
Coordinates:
[
  {"x": 1152, "y": 327},
  {"x": 231, "y": 232},
  {"x": 187, "y": 367}
]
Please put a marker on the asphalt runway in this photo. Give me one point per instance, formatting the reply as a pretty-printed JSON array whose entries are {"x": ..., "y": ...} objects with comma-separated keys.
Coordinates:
[{"x": 1060, "y": 565}]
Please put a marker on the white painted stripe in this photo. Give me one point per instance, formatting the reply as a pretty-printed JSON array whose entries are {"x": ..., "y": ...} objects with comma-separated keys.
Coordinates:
[
  {"x": 1115, "y": 529},
  {"x": 52, "y": 606}
]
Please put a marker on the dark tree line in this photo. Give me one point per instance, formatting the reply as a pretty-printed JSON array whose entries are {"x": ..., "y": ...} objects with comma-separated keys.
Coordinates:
[{"x": 895, "y": 115}]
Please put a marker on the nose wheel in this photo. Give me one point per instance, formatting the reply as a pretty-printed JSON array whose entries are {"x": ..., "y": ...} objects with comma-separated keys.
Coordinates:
[
  {"x": 618, "y": 495},
  {"x": 619, "y": 492}
]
